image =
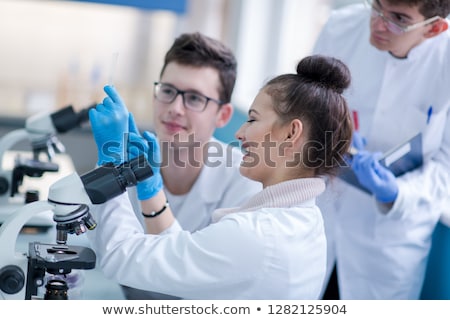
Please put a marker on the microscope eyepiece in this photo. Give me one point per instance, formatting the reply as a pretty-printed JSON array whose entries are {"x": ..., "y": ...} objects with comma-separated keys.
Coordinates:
[
  {"x": 67, "y": 119},
  {"x": 108, "y": 181}
]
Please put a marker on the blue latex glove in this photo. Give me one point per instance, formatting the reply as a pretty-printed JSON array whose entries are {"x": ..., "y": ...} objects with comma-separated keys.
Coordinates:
[
  {"x": 372, "y": 175},
  {"x": 109, "y": 122},
  {"x": 358, "y": 141},
  {"x": 149, "y": 146}
]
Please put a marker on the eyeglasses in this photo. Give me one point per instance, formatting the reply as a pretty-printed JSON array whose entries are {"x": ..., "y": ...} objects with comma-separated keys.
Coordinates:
[
  {"x": 194, "y": 101},
  {"x": 393, "y": 21}
]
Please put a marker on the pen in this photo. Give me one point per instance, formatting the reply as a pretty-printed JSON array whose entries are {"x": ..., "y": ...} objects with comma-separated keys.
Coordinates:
[{"x": 429, "y": 113}]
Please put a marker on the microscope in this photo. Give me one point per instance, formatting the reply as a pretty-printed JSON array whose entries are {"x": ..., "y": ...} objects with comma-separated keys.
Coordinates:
[
  {"x": 69, "y": 200},
  {"x": 40, "y": 130}
]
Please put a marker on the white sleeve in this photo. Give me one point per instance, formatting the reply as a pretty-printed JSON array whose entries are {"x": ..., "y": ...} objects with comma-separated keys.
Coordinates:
[
  {"x": 180, "y": 263},
  {"x": 426, "y": 187}
]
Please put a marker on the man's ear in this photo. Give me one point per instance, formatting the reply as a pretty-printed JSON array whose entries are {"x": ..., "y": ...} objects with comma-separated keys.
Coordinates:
[
  {"x": 437, "y": 27},
  {"x": 224, "y": 115}
]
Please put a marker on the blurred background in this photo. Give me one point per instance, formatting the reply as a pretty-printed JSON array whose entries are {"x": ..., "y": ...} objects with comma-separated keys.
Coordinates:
[{"x": 55, "y": 53}]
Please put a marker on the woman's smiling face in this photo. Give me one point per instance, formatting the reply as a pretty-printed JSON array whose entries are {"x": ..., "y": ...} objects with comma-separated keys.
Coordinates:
[{"x": 261, "y": 137}]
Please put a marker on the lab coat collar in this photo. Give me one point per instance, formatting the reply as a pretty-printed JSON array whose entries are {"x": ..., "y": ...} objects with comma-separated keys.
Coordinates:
[{"x": 282, "y": 195}]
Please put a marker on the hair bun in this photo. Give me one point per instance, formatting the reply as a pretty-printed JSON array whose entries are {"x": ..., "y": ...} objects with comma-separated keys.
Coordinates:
[{"x": 327, "y": 71}]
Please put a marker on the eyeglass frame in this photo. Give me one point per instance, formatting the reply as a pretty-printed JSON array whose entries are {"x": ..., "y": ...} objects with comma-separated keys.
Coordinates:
[
  {"x": 183, "y": 92},
  {"x": 389, "y": 23}
]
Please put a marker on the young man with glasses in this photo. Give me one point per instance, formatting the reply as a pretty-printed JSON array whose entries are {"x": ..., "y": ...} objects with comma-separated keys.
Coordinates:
[
  {"x": 398, "y": 52},
  {"x": 192, "y": 99}
]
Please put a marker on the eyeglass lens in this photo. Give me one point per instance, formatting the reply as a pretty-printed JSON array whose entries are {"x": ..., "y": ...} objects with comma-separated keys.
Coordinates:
[
  {"x": 378, "y": 13},
  {"x": 191, "y": 100}
]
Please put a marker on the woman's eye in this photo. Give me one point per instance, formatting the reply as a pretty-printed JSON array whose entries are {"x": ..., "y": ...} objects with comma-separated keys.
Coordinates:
[{"x": 250, "y": 120}]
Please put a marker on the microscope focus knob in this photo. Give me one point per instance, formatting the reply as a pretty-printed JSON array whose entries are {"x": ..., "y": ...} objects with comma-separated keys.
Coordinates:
[{"x": 12, "y": 279}]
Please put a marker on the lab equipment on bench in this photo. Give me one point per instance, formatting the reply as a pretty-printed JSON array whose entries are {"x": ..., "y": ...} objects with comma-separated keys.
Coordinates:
[
  {"x": 68, "y": 201},
  {"x": 40, "y": 130}
]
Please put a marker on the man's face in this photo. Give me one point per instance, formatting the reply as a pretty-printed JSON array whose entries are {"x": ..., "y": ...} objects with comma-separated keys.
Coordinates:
[
  {"x": 173, "y": 122},
  {"x": 384, "y": 39}
]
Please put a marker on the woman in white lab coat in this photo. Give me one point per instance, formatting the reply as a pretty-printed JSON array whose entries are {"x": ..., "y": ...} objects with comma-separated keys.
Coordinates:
[
  {"x": 400, "y": 86},
  {"x": 271, "y": 247}
]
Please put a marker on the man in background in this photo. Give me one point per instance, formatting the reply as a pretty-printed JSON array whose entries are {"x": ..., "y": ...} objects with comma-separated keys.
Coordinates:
[{"x": 398, "y": 52}]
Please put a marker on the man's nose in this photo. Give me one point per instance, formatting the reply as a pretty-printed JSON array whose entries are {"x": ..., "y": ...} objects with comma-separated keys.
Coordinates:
[
  {"x": 379, "y": 23},
  {"x": 177, "y": 105}
]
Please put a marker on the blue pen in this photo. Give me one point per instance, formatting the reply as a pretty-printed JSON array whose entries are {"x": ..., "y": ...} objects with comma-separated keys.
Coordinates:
[{"x": 430, "y": 112}]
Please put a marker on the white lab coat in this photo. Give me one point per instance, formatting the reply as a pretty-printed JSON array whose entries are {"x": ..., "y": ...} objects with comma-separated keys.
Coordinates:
[
  {"x": 219, "y": 185},
  {"x": 384, "y": 255},
  {"x": 273, "y": 247}
]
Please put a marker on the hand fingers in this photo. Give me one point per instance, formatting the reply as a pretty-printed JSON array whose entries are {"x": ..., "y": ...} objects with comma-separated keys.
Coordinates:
[
  {"x": 150, "y": 137},
  {"x": 135, "y": 142},
  {"x": 108, "y": 104},
  {"x": 95, "y": 115},
  {"x": 358, "y": 141},
  {"x": 361, "y": 160},
  {"x": 382, "y": 171},
  {"x": 113, "y": 94},
  {"x": 154, "y": 157},
  {"x": 99, "y": 108},
  {"x": 132, "y": 124},
  {"x": 92, "y": 115}
]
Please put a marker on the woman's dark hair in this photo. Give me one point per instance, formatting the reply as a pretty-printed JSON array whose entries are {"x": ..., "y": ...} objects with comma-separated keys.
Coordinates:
[
  {"x": 198, "y": 50},
  {"x": 314, "y": 95}
]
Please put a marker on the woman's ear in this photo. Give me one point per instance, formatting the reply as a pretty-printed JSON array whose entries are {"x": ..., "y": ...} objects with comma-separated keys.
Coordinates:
[
  {"x": 295, "y": 131},
  {"x": 437, "y": 27}
]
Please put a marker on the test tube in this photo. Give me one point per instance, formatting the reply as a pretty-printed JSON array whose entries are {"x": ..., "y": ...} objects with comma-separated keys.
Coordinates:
[{"x": 113, "y": 68}]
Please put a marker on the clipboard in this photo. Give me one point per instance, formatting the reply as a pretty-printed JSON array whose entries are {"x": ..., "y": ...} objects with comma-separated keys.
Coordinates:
[{"x": 403, "y": 158}]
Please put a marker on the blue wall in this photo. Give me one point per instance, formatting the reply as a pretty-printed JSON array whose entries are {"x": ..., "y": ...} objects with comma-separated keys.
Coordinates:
[
  {"x": 437, "y": 280},
  {"x": 177, "y": 6},
  {"x": 226, "y": 134}
]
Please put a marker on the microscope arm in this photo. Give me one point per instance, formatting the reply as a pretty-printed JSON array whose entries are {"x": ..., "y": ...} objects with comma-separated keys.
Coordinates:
[
  {"x": 13, "y": 266},
  {"x": 11, "y": 228},
  {"x": 9, "y": 140}
]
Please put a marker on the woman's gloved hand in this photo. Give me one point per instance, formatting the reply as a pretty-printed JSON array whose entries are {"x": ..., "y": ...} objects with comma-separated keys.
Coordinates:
[
  {"x": 147, "y": 145},
  {"x": 109, "y": 122},
  {"x": 372, "y": 175}
]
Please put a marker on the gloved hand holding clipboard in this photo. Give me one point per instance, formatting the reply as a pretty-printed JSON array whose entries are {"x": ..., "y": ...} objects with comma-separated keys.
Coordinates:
[{"x": 399, "y": 160}]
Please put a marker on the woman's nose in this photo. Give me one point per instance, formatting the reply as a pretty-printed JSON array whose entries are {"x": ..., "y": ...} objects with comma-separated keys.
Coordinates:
[{"x": 240, "y": 133}]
